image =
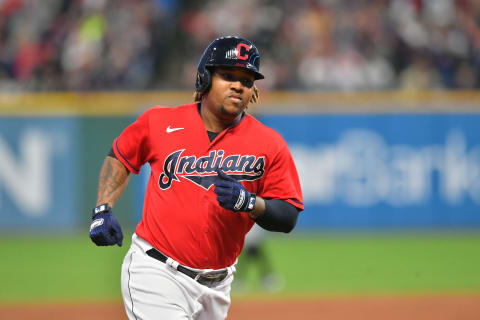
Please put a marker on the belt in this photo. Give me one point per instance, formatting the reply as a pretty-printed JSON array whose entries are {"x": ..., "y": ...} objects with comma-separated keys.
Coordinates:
[{"x": 206, "y": 279}]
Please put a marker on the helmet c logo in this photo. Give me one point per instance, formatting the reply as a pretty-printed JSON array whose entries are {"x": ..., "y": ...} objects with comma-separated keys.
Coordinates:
[{"x": 239, "y": 48}]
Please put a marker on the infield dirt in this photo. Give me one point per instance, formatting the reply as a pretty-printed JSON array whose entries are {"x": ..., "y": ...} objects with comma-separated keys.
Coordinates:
[{"x": 440, "y": 307}]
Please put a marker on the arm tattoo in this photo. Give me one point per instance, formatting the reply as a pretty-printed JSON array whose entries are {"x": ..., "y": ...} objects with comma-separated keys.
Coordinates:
[{"x": 112, "y": 181}]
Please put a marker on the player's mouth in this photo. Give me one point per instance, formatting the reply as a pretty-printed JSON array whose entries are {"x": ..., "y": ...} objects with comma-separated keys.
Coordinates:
[{"x": 235, "y": 98}]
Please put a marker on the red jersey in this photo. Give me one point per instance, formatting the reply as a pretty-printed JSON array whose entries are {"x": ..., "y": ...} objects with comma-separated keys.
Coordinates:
[{"x": 181, "y": 215}]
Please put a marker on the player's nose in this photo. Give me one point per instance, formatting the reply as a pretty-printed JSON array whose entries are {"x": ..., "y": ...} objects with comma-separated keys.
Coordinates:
[{"x": 237, "y": 85}]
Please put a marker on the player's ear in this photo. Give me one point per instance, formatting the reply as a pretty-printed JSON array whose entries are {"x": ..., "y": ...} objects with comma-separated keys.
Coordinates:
[{"x": 203, "y": 81}]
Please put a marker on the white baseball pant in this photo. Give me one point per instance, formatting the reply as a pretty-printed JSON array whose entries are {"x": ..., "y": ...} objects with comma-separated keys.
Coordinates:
[{"x": 152, "y": 289}]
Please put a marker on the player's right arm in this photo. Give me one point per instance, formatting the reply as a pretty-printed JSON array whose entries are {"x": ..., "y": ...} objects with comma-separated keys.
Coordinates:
[
  {"x": 105, "y": 229},
  {"x": 112, "y": 181},
  {"x": 129, "y": 152}
]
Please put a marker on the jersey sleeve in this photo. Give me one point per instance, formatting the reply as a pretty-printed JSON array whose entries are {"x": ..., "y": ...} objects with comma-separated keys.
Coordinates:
[
  {"x": 132, "y": 146},
  {"x": 281, "y": 178}
]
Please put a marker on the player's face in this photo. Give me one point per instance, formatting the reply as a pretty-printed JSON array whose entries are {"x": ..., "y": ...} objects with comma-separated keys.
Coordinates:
[{"x": 231, "y": 91}]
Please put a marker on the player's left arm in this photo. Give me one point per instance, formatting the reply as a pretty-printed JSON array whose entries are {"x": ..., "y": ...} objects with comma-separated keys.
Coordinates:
[
  {"x": 272, "y": 215},
  {"x": 281, "y": 196}
]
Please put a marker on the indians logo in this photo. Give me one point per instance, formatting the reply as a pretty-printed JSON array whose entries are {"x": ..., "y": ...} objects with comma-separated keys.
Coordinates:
[{"x": 202, "y": 170}]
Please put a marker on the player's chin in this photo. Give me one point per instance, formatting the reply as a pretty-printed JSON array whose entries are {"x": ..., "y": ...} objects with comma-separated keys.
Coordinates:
[
  {"x": 235, "y": 105},
  {"x": 230, "y": 112}
]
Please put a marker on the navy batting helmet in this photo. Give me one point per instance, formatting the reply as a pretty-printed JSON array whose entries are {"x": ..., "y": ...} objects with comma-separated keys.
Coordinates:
[{"x": 229, "y": 52}]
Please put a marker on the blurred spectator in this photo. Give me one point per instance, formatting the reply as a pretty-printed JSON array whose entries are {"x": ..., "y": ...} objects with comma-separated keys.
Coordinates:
[
  {"x": 305, "y": 44},
  {"x": 420, "y": 74},
  {"x": 82, "y": 44}
]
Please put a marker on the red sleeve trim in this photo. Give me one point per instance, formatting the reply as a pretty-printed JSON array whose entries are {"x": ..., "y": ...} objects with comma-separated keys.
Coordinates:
[
  {"x": 295, "y": 203},
  {"x": 122, "y": 159}
]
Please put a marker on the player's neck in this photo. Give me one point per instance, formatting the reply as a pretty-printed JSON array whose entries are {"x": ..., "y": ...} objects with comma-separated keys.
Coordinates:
[{"x": 214, "y": 122}]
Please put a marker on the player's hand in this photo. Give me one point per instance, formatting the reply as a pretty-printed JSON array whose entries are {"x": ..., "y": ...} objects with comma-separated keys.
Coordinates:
[
  {"x": 232, "y": 195},
  {"x": 105, "y": 230}
]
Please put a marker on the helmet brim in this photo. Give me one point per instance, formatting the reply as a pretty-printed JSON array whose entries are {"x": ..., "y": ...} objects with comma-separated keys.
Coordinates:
[{"x": 257, "y": 75}]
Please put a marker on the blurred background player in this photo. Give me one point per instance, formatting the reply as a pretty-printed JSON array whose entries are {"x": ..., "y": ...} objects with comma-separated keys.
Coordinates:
[{"x": 256, "y": 259}]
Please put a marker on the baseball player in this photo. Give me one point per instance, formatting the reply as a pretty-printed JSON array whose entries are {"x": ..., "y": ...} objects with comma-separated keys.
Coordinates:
[
  {"x": 216, "y": 171},
  {"x": 254, "y": 256}
]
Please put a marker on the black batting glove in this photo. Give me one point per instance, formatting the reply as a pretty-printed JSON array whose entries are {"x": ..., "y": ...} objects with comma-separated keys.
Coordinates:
[
  {"x": 232, "y": 195},
  {"x": 105, "y": 229}
]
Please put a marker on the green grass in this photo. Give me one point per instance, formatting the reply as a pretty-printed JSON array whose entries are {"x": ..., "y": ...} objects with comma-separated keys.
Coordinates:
[
  {"x": 358, "y": 264},
  {"x": 398, "y": 263},
  {"x": 72, "y": 268},
  {"x": 59, "y": 268}
]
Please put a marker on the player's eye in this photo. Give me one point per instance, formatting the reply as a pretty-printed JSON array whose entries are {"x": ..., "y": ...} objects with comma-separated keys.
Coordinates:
[
  {"x": 226, "y": 76},
  {"x": 229, "y": 77},
  {"x": 246, "y": 82}
]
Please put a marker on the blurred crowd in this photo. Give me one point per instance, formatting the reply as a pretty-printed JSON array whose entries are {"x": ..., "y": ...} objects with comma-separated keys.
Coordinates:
[
  {"x": 338, "y": 45},
  {"x": 50, "y": 45}
]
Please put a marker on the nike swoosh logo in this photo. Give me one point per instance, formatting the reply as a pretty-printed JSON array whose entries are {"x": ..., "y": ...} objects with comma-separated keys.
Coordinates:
[{"x": 169, "y": 130}]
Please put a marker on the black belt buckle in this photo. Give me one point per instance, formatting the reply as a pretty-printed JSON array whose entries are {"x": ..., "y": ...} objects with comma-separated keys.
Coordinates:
[{"x": 209, "y": 278}]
